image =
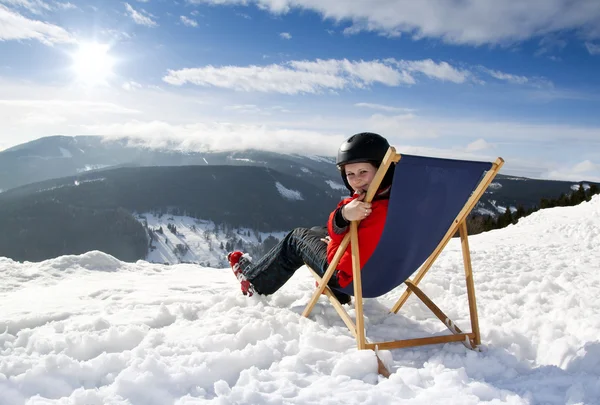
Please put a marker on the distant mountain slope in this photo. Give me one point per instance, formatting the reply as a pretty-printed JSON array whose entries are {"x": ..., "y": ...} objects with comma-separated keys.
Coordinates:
[
  {"x": 92, "y": 211},
  {"x": 62, "y": 156},
  {"x": 511, "y": 191},
  {"x": 245, "y": 196}
]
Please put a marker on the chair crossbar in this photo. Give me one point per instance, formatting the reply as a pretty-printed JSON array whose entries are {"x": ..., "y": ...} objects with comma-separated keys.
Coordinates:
[{"x": 433, "y": 340}]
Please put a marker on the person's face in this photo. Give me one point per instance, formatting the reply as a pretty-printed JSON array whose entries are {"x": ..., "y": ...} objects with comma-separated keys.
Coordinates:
[{"x": 360, "y": 175}]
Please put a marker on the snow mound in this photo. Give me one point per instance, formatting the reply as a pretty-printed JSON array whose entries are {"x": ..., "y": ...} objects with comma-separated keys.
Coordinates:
[{"x": 94, "y": 260}]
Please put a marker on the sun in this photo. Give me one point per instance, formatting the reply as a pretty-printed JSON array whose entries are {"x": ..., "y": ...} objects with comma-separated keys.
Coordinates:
[{"x": 92, "y": 63}]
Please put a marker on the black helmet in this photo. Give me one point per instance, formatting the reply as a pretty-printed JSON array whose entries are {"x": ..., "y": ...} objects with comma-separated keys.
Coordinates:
[{"x": 363, "y": 147}]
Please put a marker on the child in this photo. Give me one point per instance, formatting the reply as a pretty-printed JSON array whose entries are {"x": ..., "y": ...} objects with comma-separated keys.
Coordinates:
[{"x": 358, "y": 159}]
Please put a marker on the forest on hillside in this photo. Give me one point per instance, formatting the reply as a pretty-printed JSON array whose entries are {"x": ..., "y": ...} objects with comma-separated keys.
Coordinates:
[{"x": 72, "y": 216}]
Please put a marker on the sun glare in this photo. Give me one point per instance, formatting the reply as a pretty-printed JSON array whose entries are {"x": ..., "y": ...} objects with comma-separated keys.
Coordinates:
[{"x": 92, "y": 64}]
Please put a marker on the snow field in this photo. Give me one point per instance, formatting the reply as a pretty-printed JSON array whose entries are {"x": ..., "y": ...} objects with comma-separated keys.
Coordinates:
[{"x": 90, "y": 329}]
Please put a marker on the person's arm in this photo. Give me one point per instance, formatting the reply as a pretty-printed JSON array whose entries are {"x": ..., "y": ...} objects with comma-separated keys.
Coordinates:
[{"x": 340, "y": 224}]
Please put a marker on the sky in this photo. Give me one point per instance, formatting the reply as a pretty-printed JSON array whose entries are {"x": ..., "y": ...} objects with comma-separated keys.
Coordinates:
[
  {"x": 464, "y": 79},
  {"x": 92, "y": 330}
]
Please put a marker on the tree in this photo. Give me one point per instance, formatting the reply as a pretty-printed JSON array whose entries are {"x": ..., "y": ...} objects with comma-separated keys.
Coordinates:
[
  {"x": 578, "y": 196},
  {"x": 269, "y": 242}
]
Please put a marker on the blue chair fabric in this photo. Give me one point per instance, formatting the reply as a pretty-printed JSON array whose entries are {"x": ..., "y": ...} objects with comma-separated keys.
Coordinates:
[{"x": 427, "y": 194}]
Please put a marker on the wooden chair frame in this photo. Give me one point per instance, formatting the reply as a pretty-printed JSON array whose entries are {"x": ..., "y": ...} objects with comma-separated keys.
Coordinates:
[{"x": 470, "y": 339}]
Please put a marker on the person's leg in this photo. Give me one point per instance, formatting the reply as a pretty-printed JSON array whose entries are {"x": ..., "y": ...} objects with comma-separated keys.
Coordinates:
[
  {"x": 343, "y": 298},
  {"x": 299, "y": 247}
]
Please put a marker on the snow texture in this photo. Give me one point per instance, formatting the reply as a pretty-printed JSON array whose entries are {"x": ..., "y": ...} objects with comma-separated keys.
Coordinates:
[
  {"x": 91, "y": 330},
  {"x": 575, "y": 187},
  {"x": 287, "y": 193},
  {"x": 65, "y": 153},
  {"x": 335, "y": 185},
  {"x": 322, "y": 159},
  {"x": 88, "y": 168},
  {"x": 201, "y": 240}
]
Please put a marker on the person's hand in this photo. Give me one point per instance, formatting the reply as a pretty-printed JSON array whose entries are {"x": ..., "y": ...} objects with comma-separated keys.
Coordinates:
[
  {"x": 326, "y": 239},
  {"x": 356, "y": 209}
]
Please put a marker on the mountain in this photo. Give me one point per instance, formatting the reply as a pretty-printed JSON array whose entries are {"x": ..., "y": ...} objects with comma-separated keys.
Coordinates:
[
  {"x": 90, "y": 329},
  {"x": 69, "y": 195},
  {"x": 93, "y": 210},
  {"x": 63, "y": 156}
]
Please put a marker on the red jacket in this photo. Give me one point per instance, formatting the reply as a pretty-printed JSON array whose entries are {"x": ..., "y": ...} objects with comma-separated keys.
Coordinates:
[{"x": 369, "y": 232}]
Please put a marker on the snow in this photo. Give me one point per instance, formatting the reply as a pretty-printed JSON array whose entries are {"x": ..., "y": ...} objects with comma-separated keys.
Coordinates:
[
  {"x": 305, "y": 170},
  {"x": 499, "y": 208},
  {"x": 88, "y": 168},
  {"x": 481, "y": 210},
  {"x": 495, "y": 186},
  {"x": 575, "y": 187},
  {"x": 321, "y": 159},
  {"x": 287, "y": 193},
  {"x": 65, "y": 153},
  {"x": 75, "y": 183},
  {"x": 202, "y": 239},
  {"x": 90, "y": 329},
  {"x": 334, "y": 185}
]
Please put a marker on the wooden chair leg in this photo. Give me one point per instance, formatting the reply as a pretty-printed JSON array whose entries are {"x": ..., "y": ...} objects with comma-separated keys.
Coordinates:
[{"x": 470, "y": 283}]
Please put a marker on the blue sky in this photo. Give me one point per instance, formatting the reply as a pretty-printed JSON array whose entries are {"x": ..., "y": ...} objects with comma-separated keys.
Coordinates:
[{"x": 466, "y": 79}]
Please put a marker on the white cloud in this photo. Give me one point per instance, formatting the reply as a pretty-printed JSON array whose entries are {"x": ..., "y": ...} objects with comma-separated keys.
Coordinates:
[
  {"x": 592, "y": 48},
  {"x": 33, "y": 6},
  {"x": 65, "y": 6},
  {"x": 382, "y": 107},
  {"x": 585, "y": 170},
  {"x": 188, "y": 21},
  {"x": 465, "y": 22},
  {"x": 77, "y": 106},
  {"x": 585, "y": 166},
  {"x": 14, "y": 26},
  {"x": 316, "y": 76},
  {"x": 514, "y": 79},
  {"x": 549, "y": 44},
  {"x": 285, "y": 35},
  {"x": 442, "y": 71},
  {"x": 478, "y": 145},
  {"x": 245, "y": 109},
  {"x": 141, "y": 17},
  {"x": 212, "y": 119},
  {"x": 219, "y": 136},
  {"x": 402, "y": 126},
  {"x": 131, "y": 85}
]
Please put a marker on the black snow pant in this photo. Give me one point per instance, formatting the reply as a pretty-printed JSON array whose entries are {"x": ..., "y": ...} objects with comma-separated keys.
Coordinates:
[{"x": 300, "y": 246}]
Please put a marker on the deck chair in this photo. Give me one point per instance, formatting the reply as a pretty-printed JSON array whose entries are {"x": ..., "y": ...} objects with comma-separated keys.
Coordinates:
[{"x": 429, "y": 203}]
